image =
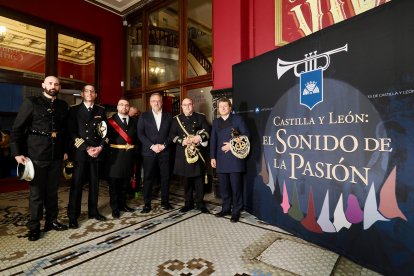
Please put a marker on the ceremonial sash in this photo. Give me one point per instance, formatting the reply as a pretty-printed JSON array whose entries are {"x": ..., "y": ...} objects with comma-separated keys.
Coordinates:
[{"x": 120, "y": 131}]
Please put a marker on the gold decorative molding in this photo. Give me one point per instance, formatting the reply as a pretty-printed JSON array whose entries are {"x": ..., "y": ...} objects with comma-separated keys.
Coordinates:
[{"x": 279, "y": 24}]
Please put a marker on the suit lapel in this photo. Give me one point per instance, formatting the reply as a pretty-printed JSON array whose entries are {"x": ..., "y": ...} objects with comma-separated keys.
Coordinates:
[
  {"x": 153, "y": 120},
  {"x": 119, "y": 121},
  {"x": 162, "y": 119}
]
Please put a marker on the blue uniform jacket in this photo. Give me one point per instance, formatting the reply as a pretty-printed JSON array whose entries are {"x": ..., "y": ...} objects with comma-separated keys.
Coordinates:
[{"x": 220, "y": 133}]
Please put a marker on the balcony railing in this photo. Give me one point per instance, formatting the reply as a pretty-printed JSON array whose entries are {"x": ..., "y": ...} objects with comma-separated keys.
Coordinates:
[{"x": 170, "y": 38}]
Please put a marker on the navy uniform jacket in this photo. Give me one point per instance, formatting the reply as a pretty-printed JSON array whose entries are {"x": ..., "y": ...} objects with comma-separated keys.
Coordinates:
[
  {"x": 220, "y": 133},
  {"x": 37, "y": 119},
  {"x": 194, "y": 124},
  {"x": 82, "y": 126},
  {"x": 149, "y": 135},
  {"x": 120, "y": 162}
]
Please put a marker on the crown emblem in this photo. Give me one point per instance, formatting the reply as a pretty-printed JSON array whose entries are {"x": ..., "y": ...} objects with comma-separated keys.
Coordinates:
[{"x": 311, "y": 88}]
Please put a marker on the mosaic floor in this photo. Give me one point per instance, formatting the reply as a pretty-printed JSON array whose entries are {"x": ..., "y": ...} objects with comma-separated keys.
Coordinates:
[{"x": 158, "y": 243}]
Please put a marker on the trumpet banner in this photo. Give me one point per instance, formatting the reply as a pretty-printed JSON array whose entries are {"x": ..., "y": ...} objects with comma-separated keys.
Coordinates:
[{"x": 332, "y": 148}]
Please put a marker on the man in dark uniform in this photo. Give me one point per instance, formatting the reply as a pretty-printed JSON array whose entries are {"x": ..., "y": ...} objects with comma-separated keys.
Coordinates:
[
  {"x": 229, "y": 168},
  {"x": 190, "y": 131},
  {"x": 122, "y": 135},
  {"x": 153, "y": 132},
  {"x": 39, "y": 133},
  {"x": 87, "y": 133}
]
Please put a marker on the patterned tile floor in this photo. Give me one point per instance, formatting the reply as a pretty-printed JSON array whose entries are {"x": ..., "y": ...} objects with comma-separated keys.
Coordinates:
[{"x": 158, "y": 243}]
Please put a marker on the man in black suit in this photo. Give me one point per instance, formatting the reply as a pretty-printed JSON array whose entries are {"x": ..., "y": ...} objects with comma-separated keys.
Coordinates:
[
  {"x": 153, "y": 132},
  {"x": 122, "y": 135},
  {"x": 87, "y": 133}
]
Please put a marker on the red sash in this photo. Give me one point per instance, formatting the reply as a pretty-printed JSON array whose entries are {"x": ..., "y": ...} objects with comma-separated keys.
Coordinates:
[{"x": 120, "y": 131}]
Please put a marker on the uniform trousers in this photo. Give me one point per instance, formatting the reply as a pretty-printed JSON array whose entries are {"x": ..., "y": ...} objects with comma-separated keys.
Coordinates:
[
  {"x": 231, "y": 192},
  {"x": 81, "y": 170},
  {"x": 150, "y": 164},
  {"x": 43, "y": 191},
  {"x": 191, "y": 184},
  {"x": 117, "y": 192}
]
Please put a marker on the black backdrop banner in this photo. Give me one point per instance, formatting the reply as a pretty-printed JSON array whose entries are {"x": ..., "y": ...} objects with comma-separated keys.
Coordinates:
[{"x": 332, "y": 121}]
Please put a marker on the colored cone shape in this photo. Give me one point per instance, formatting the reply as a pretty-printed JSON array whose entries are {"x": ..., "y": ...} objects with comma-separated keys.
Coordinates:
[
  {"x": 294, "y": 211},
  {"x": 264, "y": 173},
  {"x": 309, "y": 222},
  {"x": 271, "y": 183},
  {"x": 339, "y": 216},
  {"x": 388, "y": 201},
  {"x": 285, "y": 202},
  {"x": 277, "y": 195},
  {"x": 371, "y": 214},
  {"x": 354, "y": 213},
  {"x": 324, "y": 222}
]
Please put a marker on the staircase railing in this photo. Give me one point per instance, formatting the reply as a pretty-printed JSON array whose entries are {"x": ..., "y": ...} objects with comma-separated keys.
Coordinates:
[{"x": 170, "y": 38}]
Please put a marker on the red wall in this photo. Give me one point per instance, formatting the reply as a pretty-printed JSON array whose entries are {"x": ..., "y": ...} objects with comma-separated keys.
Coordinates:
[
  {"x": 87, "y": 18},
  {"x": 242, "y": 29}
]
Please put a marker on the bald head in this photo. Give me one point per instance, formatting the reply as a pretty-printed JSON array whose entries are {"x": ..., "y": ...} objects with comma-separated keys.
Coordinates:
[
  {"x": 51, "y": 86},
  {"x": 187, "y": 106}
]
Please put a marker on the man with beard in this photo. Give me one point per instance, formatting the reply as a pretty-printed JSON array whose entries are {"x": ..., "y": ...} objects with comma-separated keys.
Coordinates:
[
  {"x": 87, "y": 140},
  {"x": 122, "y": 135},
  {"x": 39, "y": 135}
]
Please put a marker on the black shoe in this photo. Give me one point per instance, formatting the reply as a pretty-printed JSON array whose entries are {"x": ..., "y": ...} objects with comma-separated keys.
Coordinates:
[
  {"x": 98, "y": 217},
  {"x": 186, "y": 209},
  {"x": 166, "y": 206},
  {"x": 128, "y": 209},
  {"x": 73, "y": 223},
  {"x": 54, "y": 225},
  {"x": 203, "y": 210},
  {"x": 235, "y": 218},
  {"x": 222, "y": 214},
  {"x": 33, "y": 235},
  {"x": 146, "y": 209},
  {"x": 116, "y": 214}
]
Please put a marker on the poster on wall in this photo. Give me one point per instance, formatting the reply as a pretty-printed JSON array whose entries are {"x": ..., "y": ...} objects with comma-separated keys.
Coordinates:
[
  {"x": 295, "y": 19},
  {"x": 332, "y": 123}
]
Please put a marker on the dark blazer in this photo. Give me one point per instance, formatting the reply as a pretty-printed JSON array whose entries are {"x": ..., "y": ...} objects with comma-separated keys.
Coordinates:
[
  {"x": 194, "y": 124},
  {"x": 31, "y": 134},
  {"x": 220, "y": 133},
  {"x": 149, "y": 135},
  {"x": 120, "y": 162},
  {"x": 82, "y": 128}
]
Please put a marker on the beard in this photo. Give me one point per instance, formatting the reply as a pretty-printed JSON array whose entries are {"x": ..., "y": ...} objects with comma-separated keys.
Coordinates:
[{"x": 51, "y": 92}]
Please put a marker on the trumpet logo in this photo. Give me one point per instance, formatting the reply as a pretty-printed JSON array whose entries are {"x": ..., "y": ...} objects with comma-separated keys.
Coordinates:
[{"x": 310, "y": 71}]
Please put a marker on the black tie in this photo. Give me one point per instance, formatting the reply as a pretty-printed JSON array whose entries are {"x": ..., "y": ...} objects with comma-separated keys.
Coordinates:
[
  {"x": 89, "y": 109},
  {"x": 125, "y": 121}
]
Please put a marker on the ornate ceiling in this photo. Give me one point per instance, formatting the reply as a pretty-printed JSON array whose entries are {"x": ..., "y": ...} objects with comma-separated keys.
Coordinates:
[
  {"x": 31, "y": 39},
  {"x": 120, "y": 7}
]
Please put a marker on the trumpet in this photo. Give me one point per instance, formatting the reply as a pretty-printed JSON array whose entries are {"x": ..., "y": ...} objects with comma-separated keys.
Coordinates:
[{"x": 309, "y": 63}]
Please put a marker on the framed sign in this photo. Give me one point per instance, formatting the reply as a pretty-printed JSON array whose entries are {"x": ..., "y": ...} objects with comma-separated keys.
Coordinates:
[{"x": 295, "y": 19}]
